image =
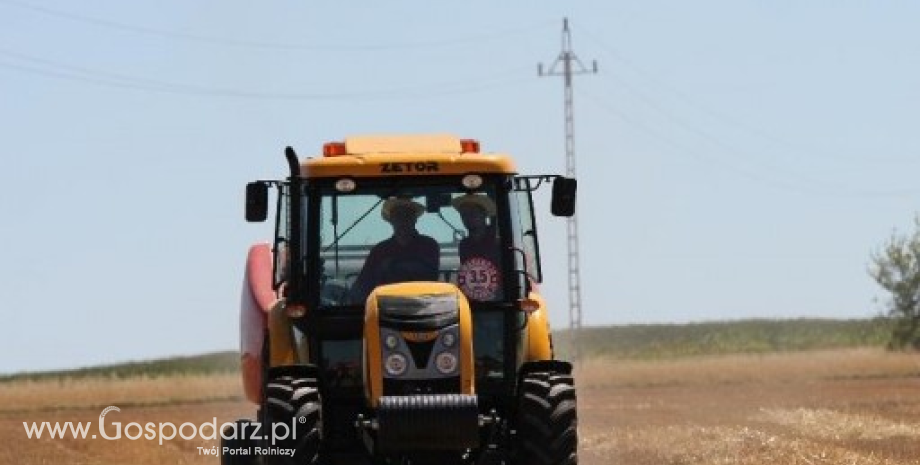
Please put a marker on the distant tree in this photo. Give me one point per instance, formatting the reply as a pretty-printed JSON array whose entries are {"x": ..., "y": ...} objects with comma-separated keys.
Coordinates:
[{"x": 896, "y": 267}]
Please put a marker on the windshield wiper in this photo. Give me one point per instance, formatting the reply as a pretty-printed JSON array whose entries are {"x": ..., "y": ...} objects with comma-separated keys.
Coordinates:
[{"x": 360, "y": 218}]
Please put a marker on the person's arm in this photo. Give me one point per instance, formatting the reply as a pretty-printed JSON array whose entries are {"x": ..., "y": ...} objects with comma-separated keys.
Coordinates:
[{"x": 433, "y": 256}]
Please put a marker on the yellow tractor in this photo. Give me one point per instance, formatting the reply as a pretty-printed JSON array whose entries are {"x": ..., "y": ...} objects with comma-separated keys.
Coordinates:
[{"x": 396, "y": 317}]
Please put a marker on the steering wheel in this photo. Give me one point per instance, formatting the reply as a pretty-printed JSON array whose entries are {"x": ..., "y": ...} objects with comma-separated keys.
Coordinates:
[{"x": 333, "y": 293}]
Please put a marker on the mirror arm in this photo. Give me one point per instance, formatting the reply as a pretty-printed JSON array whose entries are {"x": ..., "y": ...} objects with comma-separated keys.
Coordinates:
[{"x": 539, "y": 180}]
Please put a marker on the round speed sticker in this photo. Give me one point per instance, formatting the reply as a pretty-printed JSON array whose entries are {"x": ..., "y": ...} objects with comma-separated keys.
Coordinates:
[{"x": 478, "y": 278}]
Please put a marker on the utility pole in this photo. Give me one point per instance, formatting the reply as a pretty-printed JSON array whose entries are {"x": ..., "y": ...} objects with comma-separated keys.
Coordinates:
[{"x": 571, "y": 65}]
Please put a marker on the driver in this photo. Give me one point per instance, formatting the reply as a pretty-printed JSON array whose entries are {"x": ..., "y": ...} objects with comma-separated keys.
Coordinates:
[{"x": 406, "y": 256}]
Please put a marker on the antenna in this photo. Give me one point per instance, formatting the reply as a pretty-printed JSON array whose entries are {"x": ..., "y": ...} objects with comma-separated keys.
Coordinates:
[{"x": 570, "y": 65}]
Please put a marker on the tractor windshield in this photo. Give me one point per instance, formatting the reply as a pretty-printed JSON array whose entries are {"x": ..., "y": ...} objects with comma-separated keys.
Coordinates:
[{"x": 371, "y": 234}]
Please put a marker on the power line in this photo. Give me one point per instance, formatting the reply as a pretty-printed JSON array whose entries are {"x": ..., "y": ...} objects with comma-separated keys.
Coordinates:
[
  {"x": 58, "y": 70},
  {"x": 224, "y": 41},
  {"x": 802, "y": 185},
  {"x": 805, "y": 184},
  {"x": 395, "y": 94},
  {"x": 718, "y": 115}
]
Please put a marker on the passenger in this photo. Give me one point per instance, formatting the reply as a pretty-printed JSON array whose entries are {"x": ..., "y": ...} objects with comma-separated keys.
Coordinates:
[
  {"x": 480, "y": 251},
  {"x": 406, "y": 256}
]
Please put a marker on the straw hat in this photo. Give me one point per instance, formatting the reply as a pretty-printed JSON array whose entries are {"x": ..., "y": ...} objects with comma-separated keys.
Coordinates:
[
  {"x": 475, "y": 200},
  {"x": 396, "y": 203}
]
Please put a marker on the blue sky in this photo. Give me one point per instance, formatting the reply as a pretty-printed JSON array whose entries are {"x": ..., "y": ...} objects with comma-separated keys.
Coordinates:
[{"x": 736, "y": 159}]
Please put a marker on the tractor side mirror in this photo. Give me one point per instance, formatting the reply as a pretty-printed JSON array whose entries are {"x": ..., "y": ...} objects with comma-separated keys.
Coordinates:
[
  {"x": 563, "y": 202},
  {"x": 256, "y": 202}
]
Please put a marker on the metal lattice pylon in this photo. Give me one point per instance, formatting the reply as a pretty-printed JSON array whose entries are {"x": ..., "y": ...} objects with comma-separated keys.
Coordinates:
[{"x": 570, "y": 65}]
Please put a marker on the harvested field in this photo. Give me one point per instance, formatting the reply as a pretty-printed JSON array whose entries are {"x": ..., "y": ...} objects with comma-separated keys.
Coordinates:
[
  {"x": 830, "y": 407},
  {"x": 834, "y": 407}
]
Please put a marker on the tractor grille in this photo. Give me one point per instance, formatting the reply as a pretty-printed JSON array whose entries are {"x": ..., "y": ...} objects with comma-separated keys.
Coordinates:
[{"x": 428, "y": 423}]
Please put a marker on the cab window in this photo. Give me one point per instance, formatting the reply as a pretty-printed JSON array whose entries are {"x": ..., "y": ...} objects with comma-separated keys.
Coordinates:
[{"x": 382, "y": 235}]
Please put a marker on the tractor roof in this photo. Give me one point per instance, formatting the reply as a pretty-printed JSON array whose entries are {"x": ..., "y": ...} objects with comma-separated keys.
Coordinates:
[{"x": 404, "y": 155}]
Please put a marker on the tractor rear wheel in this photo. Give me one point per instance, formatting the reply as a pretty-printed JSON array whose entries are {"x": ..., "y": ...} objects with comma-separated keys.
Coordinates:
[
  {"x": 547, "y": 421},
  {"x": 295, "y": 403}
]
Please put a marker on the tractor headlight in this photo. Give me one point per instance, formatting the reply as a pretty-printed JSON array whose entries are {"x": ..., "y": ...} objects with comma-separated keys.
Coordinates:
[
  {"x": 390, "y": 341},
  {"x": 446, "y": 363},
  {"x": 448, "y": 339},
  {"x": 396, "y": 364}
]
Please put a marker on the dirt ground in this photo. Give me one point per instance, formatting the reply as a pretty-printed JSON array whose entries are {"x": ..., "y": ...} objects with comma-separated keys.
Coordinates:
[{"x": 840, "y": 407}]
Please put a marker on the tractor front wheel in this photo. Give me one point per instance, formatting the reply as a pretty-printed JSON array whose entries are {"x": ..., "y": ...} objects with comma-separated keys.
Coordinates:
[
  {"x": 292, "y": 421},
  {"x": 547, "y": 422}
]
